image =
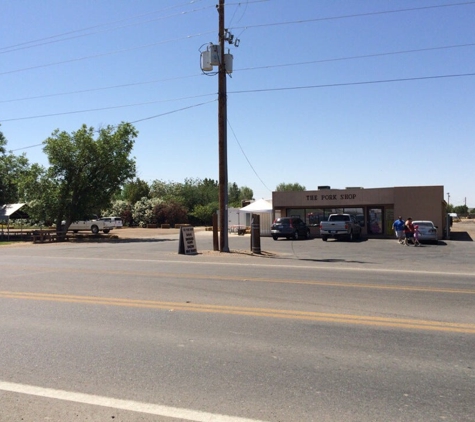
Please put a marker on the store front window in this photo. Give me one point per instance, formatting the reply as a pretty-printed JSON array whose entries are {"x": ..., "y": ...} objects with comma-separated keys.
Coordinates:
[
  {"x": 375, "y": 221},
  {"x": 358, "y": 213},
  {"x": 296, "y": 212},
  {"x": 314, "y": 216}
]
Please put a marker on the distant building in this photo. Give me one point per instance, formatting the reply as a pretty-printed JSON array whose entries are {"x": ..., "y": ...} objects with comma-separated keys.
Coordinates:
[{"x": 375, "y": 208}]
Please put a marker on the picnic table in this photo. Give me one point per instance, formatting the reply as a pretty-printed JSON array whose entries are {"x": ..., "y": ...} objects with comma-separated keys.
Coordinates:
[{"x": 239, "y": 229}]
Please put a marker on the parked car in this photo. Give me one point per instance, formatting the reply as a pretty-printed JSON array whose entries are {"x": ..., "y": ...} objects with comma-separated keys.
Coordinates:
[
  {"x": 340, "y": 226},
  {"x": 427, "y": 231},
  {"x": 92, "y": 224},
  {"x": 289, "y": 227},
  {"x": 116, "y": 222}
]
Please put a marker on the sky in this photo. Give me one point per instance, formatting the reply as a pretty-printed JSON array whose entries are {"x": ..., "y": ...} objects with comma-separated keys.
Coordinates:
[{"x": 340, "y": 93}]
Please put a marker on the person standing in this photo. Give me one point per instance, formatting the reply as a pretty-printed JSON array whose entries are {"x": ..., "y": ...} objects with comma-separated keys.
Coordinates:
[
  {"x": 409, "y": 232},
  {"x": 398, "y": 227},
  {"x": 417, "y": 233}
]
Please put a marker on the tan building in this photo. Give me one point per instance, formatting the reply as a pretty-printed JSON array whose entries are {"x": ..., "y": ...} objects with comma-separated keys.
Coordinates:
[{"x": 375, "y": 209}]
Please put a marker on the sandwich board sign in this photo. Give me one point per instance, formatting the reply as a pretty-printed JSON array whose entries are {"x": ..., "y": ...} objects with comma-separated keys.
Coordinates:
[{"x": 187, "y": 244}]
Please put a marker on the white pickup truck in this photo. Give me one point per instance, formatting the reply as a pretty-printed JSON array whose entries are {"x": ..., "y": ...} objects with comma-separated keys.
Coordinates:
[
  {"x": 340, "y": 226},
  {"x": 94, "y": 225}
]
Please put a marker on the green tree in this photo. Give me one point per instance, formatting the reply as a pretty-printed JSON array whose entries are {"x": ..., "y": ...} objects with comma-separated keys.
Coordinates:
[
  {"x": 164, "y": 190},
  {"x": 12, "y": 170},
  {"x": 289, "y": 187},
  {"x": 170, "y": 212},
  {"x": 142, "y": 212},
  {"x": 198, "y": 192},
  {"x": 135, "y": 190},
  {"x": 203, "y": 214},
  {"x": 246, "y": 193},
  {"x": 234, "y": 195},
  {"x": 461, "y": 209},
  {"x": 85, "y": 172}
]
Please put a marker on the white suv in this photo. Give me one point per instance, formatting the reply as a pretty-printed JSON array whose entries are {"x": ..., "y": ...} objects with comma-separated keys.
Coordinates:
[{"x": 115, "y": 222}]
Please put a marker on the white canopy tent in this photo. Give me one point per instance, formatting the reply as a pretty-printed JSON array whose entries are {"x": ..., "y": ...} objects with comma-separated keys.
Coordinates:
[
  {"x": 262, "y": 207},
  {"x": 259, "y": 206}
]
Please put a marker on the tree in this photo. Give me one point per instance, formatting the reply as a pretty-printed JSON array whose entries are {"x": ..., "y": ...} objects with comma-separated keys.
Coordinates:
[
  {"x": 203, "y": 214},
  {"x": 12, "y": 170},
  {"x": 142, "y": 212},
  {"x": 234, "y": 195},
  {"x": 170, "y": 212},
  {"x": 461, "y": 209},
  {"x": 289, "y": 187},
  {"x": 122, "y": 209},
  {"x": 246, "y": 193},
  {"x": 164, "y": 190},
  {"x": 135, "y": 190},
  {"x": 85, "y": 172}
]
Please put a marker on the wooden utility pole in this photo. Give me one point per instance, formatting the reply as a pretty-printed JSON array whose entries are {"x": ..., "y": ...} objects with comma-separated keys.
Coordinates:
[{"x": 222, "y": 134}]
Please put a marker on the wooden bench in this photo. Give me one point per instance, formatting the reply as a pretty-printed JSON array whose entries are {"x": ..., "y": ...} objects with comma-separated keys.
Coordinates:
[{"x": 49, "y": 236}]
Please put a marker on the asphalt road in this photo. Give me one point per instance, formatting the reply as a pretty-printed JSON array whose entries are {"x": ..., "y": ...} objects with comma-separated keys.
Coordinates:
[{"x": 130, "y": 330}]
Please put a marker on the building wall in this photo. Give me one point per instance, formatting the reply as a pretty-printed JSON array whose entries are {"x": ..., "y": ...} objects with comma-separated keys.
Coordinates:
[{"x": 418, "y": 202}]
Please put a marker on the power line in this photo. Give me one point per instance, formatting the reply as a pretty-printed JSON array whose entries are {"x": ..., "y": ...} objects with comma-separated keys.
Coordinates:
[
  {"x": 247, "y": 159},
  {"x": 245, "y": 27},
  {"x": 250, "y": 91},
  {"x": 381, "y": 81},
  {"x": 356, "y": 15},
  {"x": 51, "y": 39},
  {"x": 208, "y": 32},
  {"x": 137, "y": 121},
  {"x": 101, "y": 109},
  {"x": 364, "y": 56},
  {"x": 106, "y": 54},
  {"x": 173, "y": 111},
  {"x": 100, "y": 88}
]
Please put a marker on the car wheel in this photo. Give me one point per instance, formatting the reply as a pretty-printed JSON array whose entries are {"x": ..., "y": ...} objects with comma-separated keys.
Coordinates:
[
  {"x": 350, "y": 237},
  {"x": 324, "y": 238},
  {"x": 296, "y": 235},
  {"x": 106, "y": 231},
  {"x": 307, "y": 234},
  {"x": 274, "y": 237},
  {"x": 95, "y": 229}
]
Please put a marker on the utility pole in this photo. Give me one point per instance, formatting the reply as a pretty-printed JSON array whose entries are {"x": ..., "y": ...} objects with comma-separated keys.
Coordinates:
[
  {"x": 215, "y": 56},
  {"x": 448, "y": 198},
  {"x": 222, "y": 135}
]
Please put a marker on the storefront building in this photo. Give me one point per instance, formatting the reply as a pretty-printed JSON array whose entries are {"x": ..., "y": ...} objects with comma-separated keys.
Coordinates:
[{"x": 375, "y": 209}]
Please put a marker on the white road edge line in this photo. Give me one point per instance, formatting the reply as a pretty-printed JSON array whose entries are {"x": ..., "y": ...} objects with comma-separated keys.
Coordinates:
[{"x": 134, "y": 406}]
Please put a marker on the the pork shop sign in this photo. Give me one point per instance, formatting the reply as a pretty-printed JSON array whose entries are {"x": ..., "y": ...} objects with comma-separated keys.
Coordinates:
[{"x": 334, "y": 197}]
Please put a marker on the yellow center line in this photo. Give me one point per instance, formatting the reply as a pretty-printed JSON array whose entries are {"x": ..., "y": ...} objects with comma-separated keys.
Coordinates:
[
  {"x": 412, "y": 324},
  {"x": 427, "y": 289}
]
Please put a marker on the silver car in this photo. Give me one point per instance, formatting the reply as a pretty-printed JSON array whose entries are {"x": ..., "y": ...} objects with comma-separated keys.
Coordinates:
[{"x": 427, "y": 231}]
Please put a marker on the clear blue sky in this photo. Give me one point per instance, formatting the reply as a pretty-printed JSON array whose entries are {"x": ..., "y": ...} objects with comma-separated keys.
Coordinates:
[{"x": 324, "y": 92}]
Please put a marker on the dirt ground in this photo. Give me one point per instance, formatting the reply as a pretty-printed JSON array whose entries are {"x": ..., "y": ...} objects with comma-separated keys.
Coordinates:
[
  {"x": 143, "y": 233},
  {"x": 463, "y": 230}
]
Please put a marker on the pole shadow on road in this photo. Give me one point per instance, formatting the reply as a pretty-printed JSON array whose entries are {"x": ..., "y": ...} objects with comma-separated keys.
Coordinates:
[{"x": 461, "y": 236}]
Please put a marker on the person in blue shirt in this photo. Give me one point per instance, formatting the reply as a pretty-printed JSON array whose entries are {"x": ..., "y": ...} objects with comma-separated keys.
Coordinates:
[{"x": 398, "y": 227}]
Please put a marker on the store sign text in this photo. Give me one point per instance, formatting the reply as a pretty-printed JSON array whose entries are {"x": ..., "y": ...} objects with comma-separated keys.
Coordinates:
[{"x": 336, "y": 197}]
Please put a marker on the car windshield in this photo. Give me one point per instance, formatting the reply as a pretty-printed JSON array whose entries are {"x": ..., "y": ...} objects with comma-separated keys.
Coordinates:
[
  {"x": 339, "y": 218},
  {"x": 424, "y": 225}
]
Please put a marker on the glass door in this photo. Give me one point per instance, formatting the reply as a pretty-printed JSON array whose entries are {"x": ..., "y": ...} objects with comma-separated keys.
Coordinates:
[{"x": 375, "y": 221}]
